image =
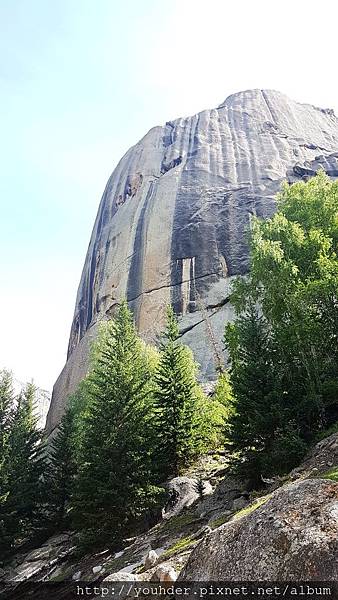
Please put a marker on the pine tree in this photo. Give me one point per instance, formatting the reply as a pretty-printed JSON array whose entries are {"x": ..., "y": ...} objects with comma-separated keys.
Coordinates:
[
  {"x": 261, "y": 418},
  {"x": 177, "y": 425},
  {"x": 115, "y": 484},
  {"x": 22, "y": 511},
  {"x": 200, "y": 487},
  {"x": 6, "y": 407},
  {"x": 61, "y": 470}
]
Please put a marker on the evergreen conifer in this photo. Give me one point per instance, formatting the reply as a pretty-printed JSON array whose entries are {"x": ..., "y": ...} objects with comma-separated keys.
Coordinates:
[
  {"x": 115, "y": 485},
  {"x": 177, "y": 424}
]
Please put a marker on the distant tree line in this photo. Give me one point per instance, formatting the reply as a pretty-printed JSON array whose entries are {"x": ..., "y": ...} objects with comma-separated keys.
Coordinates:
[{"x": 140, "y": 416}]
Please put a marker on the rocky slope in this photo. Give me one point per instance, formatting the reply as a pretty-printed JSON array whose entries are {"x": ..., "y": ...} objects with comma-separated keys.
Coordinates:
[
  {"x": 173, "y": 219},
  {"x": 287, "y": 531}
]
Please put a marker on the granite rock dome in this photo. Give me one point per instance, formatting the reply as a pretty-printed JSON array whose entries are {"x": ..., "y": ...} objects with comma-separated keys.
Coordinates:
[{"x": 173, "y": 220}]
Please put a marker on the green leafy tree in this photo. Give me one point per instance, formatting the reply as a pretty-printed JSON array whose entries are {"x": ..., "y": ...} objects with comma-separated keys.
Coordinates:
[
  {"x": 180, "y": 430},
  {"x": 294, "y": 281},
  {"x": 115, "y": 485}
]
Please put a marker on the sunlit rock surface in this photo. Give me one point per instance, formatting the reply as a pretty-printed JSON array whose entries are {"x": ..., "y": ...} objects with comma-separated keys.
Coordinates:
[{"x": 173, "y": 220}]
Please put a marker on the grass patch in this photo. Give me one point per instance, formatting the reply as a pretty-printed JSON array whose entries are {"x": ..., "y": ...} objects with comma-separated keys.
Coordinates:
[
  {"x": 251, "y": 508},
  {"x": 219, "y": 521},
  {"x": 182, "y": 544},
  {"x": 331, "y": 474},
  {"x": 180, "y": 521}
]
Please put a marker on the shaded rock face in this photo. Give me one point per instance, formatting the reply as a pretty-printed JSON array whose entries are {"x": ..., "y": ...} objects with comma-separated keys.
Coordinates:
[
  {"x": 320, "y": 460},
  {"x": 293, "y": 536},
  {"x": 182, "y": 494},
  {"x": 173, "y": 220}
]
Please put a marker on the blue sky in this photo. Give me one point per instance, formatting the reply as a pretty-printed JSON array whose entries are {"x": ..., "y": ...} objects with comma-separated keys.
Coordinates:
[{"x": 81, "y": 81}]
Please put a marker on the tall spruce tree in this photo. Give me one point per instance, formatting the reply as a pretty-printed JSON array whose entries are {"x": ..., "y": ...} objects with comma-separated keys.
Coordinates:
[
  {"x": 177, "y": 424},
  {"x": 22, "y": 511},
  {"x": 115, "y": 485},
  {"x": 61, "y": 470},
  {"x": 260, "y": 422},
  {"x": 6, "y": 407}
]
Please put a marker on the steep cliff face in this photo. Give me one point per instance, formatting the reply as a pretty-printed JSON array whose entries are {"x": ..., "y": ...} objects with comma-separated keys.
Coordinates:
[{"x": 173, "y": 220}]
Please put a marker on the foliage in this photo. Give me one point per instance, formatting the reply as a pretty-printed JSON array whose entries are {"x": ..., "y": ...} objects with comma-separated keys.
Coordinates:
[
  {"x": 180, "y": 546},
  {"x": 62, "y": 469},
  {"x": 180, "y": 425},
  {"x": 284, "y": 354},
  {"x": 199, "y": 487},
  {"x": 6, "y": 405},
  {"x": 22, "y": 504},
  {"x": 223, "y": 392},
  {"x": 331, "y": 474},
  {"x": 219, "y": 521},
  {"x": 115, "y": 485},
  {"x": 251, "y": 508},
  {"x": 178, "y": 522},
  {"x": 324, "y": 433}
]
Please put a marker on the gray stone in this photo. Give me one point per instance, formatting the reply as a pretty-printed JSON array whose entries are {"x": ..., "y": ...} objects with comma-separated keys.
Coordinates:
[
  {"x": 182, "y": 494},
  {"x": 292, "y": 536},
  {"x": 221, "y": 501},
  {"x": 28, "y": 569},
  {"x": 173, "y": 220},
  {"x": 42, "y": 553},
  {"x": 97, "y": 569},
  {"x": 239, "y": 503},
  {"x": 165, "y": 573},
  {"x": 320, "y": 459},
  {"x": 122, "y": 576},
  {"x": 151, "y": 559}
]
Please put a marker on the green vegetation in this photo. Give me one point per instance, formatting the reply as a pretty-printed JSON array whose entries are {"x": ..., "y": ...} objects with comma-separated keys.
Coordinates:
[
  {"x": 251, "y": 508},
  {"x": 200, "y": 487},
  {"x": 219, "y": 521},
  {"x": 180, "y": 546},
  {"x": 283, "y": 344},
  {"x": 327, "y": 432},
  {"x": 140, "y": 415},
  {"x": 180, "y": 429},
  {"x": 331, "y": 474},
  {"x": 180, "y": 521},
  {"x": 62, "y": 470},
  {"x": 116, "y": 485},
  {"x": 22, "y": 465}
]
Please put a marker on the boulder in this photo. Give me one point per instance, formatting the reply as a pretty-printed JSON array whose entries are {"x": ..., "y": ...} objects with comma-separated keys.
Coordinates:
[
  {"x": 122, "y": 576},
  {"x": 321, "y": 458},
  {"x": 292, "y": 536},
  {"x": 221, "y": 501},
  {"x": 164, "y": 573},
  {"x": 182, "y": 494},
  {"x": 151, "y": 559},
  {"x": 97, "y": 569},
  {"x": 240, "y": 503}
]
